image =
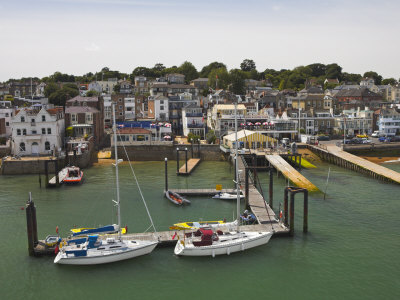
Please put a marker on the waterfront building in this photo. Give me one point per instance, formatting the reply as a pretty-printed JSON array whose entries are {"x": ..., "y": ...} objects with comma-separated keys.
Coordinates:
[
  {"x": 200, "y": 83},
  {"x": 172, "y": 89},
  {"x": 135, "y": 136},
  {"x": 221, "y": 118},
  {"x": 6, "y": 113},
  {"x": 37, "y": 131},
  {"x": 175, "y": 78},
  {"x": 193, "y": 121},
  {"x": 125, "y": 87},
  {"x": 176, "y": 104},
  {"x": 247, "y": 139},
  {"x": 389, "y": 121},
  {"x": 158, "y": 108},
  {"x": 86, "y": 116},
  {"x": 314, "y": 121}
]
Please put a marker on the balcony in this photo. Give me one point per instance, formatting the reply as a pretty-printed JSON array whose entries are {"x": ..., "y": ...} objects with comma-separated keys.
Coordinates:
[
  {"x": 194, "y": 114},
  {"x": 195, "y": 125}
]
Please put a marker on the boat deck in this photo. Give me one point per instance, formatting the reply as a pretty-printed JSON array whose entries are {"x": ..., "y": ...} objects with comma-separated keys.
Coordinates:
[{"x": 186, "y": 169}]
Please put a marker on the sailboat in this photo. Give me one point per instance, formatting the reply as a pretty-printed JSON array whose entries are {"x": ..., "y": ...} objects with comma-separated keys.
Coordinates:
[
  {"x": 211, "y": 242},
  {"x": 92, "y": 250}
]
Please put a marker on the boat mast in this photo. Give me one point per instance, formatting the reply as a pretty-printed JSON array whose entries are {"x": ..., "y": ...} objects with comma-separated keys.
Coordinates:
[
  {"x": 236, "y": 172},
  {"x": 116, "y": 170}
]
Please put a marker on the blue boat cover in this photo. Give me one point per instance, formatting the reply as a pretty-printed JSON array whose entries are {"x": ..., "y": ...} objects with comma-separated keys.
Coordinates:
[
  {"x": 104, "y": 229},
  {"x": 92, "y": 240}
]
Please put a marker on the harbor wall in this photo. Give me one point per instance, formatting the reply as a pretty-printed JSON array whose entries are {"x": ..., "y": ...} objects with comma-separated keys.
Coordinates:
[
  {"x": 32, "y": 166},
  {"x": 158, "y": 153},
  {"x": 383, "y": 149}
]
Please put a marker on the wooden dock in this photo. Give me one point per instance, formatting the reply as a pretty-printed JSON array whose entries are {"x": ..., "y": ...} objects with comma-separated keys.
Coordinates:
[
  {"x": 290, "y": 173},
  {"x": 166, "y": 237},
  {"x": 336, "y": 155},
  {"x": 186, "y": 169}
]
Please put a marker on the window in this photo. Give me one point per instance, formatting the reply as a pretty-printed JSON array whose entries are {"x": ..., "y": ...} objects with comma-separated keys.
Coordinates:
[
  {"x": 34, "y": 132},
  {"x": 24, "y": 132},
  {"x": 6, "y": 114},
  {"x": 74, "y": 119},
  {"x": 22, "y": 147},
  {"x": 32, "y": 120},
  {"x": 89, "y": 118},
  {"x": 18, "y": 131},
  {"x": 161, "y": 107},
  {"x": 7, "y": 123},
  {"x": 119, "y": 99},
  {"x": 122, "y": 138},
  {"x": 120, "y": 107},
  {"x": 23, "y": 120},
  {"x": 43, "y": 130},
  {"x": 140, "y": 138},
  {"x": 161, "y": 101},
  {"x": 43, "y": 118},
  {"x": 47, "y": 146},
  {"x": 48, "y": 130}
]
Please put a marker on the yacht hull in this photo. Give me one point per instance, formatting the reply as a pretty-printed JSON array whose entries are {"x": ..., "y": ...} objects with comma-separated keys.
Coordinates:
[
  {"x": 143, "y": 249},
  {"x": 253, "y": 239}
]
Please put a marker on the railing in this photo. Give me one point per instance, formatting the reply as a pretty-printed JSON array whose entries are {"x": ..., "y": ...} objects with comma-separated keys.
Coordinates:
[
  {"x": 195, "y": 126},
  {"x": 194, "y": 114}
]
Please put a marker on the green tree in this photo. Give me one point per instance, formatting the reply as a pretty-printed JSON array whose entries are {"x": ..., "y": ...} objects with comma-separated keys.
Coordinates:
[
  {"x": 211, "y": 137},
  {"x": 117, "y": 88},
  {"x": 189, "y": 70},
  {"x": 351, "y": 77},
  {"x": 317, "y": 69},
  {"x": 91, "y": 93},
  {"x": 50, "y": 89},
  {"x": 193, "y": 138},
  {"x": 237, "y": 78},
  {"x": 334, "y": 71},
  {"x": 390, "y": 81},
  {"x": 248, "y": 65},
  {"x": 221, "y": 75},
  {"x": 374, "y": 75},
  {"x": 206, "y": 70}
]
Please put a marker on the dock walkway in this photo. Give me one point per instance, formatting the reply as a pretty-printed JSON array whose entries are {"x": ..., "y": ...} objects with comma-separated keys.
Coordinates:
[
  {"x": 290, "y": 173},
  {"x": 336, "y": 155},
  {"x": 191, "y": 164},
  {"x": 166, "y": 237},
  {"x": 200, "y": 192}
]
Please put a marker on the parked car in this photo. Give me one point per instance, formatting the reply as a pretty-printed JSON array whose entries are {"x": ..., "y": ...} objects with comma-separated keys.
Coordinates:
[
  {"x": 375, "y": 134},
  {"x": 362, "y": 136},
  {"x": 349, "y": 136},
  {"x": 356, "y": 141},
  {"x": 396, "y": 138},
  {"x": 285, "y": 141},
  {"x": 385, "y": 139},
  {"x": 365, "y": 141},
  {"x": 323, "y": 138}
]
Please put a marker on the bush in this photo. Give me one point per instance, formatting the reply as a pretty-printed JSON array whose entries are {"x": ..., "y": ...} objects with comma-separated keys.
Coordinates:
[
  {"x": 210, "y": 137},
  {"x": 192, "y": 138}
]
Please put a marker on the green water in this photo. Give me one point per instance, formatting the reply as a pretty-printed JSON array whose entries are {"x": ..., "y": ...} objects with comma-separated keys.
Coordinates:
[{"x": 351, "y": 251}]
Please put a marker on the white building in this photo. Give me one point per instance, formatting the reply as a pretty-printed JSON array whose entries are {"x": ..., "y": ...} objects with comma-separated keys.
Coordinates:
[
  {"x": 130, "y": 108},
  {"x": 193, "y": 121},
  {"x": 158, "y": 108},
  {"x": 107, "y": 110},
  {"x": 389, "y": 121},
  {"x": 37, "y": 131}
]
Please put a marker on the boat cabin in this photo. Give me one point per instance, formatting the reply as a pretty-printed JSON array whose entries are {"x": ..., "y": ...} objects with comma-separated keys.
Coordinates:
[{"x": 207, "y": 237}]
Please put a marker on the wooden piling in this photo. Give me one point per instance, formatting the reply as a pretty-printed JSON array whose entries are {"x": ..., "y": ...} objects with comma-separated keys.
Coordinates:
[
  {"x": 285, "y": 207},
  {"x": 271, "y": 188},
  {"x": 291, "y": 215},
  {"x": 166, "y": 174},
  {"x": 305, "y": 212}
]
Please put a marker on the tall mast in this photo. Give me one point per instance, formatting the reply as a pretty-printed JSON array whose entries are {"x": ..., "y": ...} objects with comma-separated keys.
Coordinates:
[
  {"x": 116, "y": 169},
  {"x": 236, "y": 171}
]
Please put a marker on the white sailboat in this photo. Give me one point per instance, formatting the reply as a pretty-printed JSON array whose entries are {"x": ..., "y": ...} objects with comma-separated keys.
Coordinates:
[
  {"x": 92, "y": 250},
  {"x": 211, "y": 242}
]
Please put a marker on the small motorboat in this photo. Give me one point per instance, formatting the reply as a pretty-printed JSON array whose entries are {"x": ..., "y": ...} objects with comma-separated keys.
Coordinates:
[
  {"x": 227, "y": 196},
  {"x": 176, "y": 198},
  {"x": 74, "y": 175},
  {"x": 202, "y": 224}
]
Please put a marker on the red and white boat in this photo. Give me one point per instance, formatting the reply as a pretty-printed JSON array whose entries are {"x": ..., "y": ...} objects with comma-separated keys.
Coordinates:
[{"x": 73, "y": 175}]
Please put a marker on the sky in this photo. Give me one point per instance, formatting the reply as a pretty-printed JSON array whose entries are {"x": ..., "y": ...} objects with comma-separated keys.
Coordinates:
[{"x": 40, "y": 37}]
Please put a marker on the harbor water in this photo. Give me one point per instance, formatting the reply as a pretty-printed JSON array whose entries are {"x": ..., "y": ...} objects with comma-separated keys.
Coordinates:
[{"x": 351, "y": 251}]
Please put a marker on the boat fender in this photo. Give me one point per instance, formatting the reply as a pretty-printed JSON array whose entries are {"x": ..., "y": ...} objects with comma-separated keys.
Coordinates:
[
  {"x": 228, "y": 251},
  {"x": 213, "y": 253}
]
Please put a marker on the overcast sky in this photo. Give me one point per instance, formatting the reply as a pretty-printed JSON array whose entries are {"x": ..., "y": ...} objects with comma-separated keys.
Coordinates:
[{"x": 40, "y": 37}]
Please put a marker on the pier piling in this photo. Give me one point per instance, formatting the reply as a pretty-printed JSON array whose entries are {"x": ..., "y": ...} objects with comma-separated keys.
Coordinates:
[
  {"x": 271, "y": 188},
  {"x": 293, "y": 191},
  {"x": 166, "y": 174},
  {"x": 31, "y": 225}
]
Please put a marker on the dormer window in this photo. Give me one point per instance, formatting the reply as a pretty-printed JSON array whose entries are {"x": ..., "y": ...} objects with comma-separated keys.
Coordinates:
[
  {"x": 22, "y": 119},
  {"x": 43, "y": 118}
]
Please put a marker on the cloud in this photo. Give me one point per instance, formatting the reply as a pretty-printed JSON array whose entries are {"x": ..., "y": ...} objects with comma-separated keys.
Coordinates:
[{"x": 92, "y": 48}]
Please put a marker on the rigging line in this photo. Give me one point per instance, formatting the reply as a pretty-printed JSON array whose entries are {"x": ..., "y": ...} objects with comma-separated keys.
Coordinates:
[{"x": 137, "y": 184}]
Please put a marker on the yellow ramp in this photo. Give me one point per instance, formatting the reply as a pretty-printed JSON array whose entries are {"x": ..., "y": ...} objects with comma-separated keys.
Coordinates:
[{"x": 290, "y": 173}]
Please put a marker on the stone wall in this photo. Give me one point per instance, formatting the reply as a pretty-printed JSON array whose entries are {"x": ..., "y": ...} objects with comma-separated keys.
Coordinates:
[
  {"x": 158, "y": 153},
  {"x": 34, "y": 166}
]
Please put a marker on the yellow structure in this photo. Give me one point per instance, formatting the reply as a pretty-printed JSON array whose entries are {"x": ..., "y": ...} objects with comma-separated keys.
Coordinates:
[{"x": 249, "y": 140}]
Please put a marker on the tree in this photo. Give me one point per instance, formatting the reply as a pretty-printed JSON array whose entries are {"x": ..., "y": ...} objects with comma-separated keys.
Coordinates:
[
  {"x": 351, "y": 77},
  {"x": 390, "y": 81},
  {"x": 247, "y": 65},
  {"x": 371, "y": 74},
  {"x": 237, "y": 78},
  {"x": 193, "y": 138},
  {"x": 117, "y": 88},
  {"x": 206, "y": 70},
  {"x": 317, "y": 69},
  {"x": 211, "y": 137},
  {"x": 333, "y": 71},
  {"x": 50, "y": 89},
  {"x": 158, "y": 67},
  {"x": 91, "y": 93},
  {"x": 218, "y": 78},
  {"x": 189, "y": 70}
]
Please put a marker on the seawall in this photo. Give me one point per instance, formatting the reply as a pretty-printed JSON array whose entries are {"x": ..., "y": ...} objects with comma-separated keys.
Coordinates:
[{"x": 158, "y": 153}]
